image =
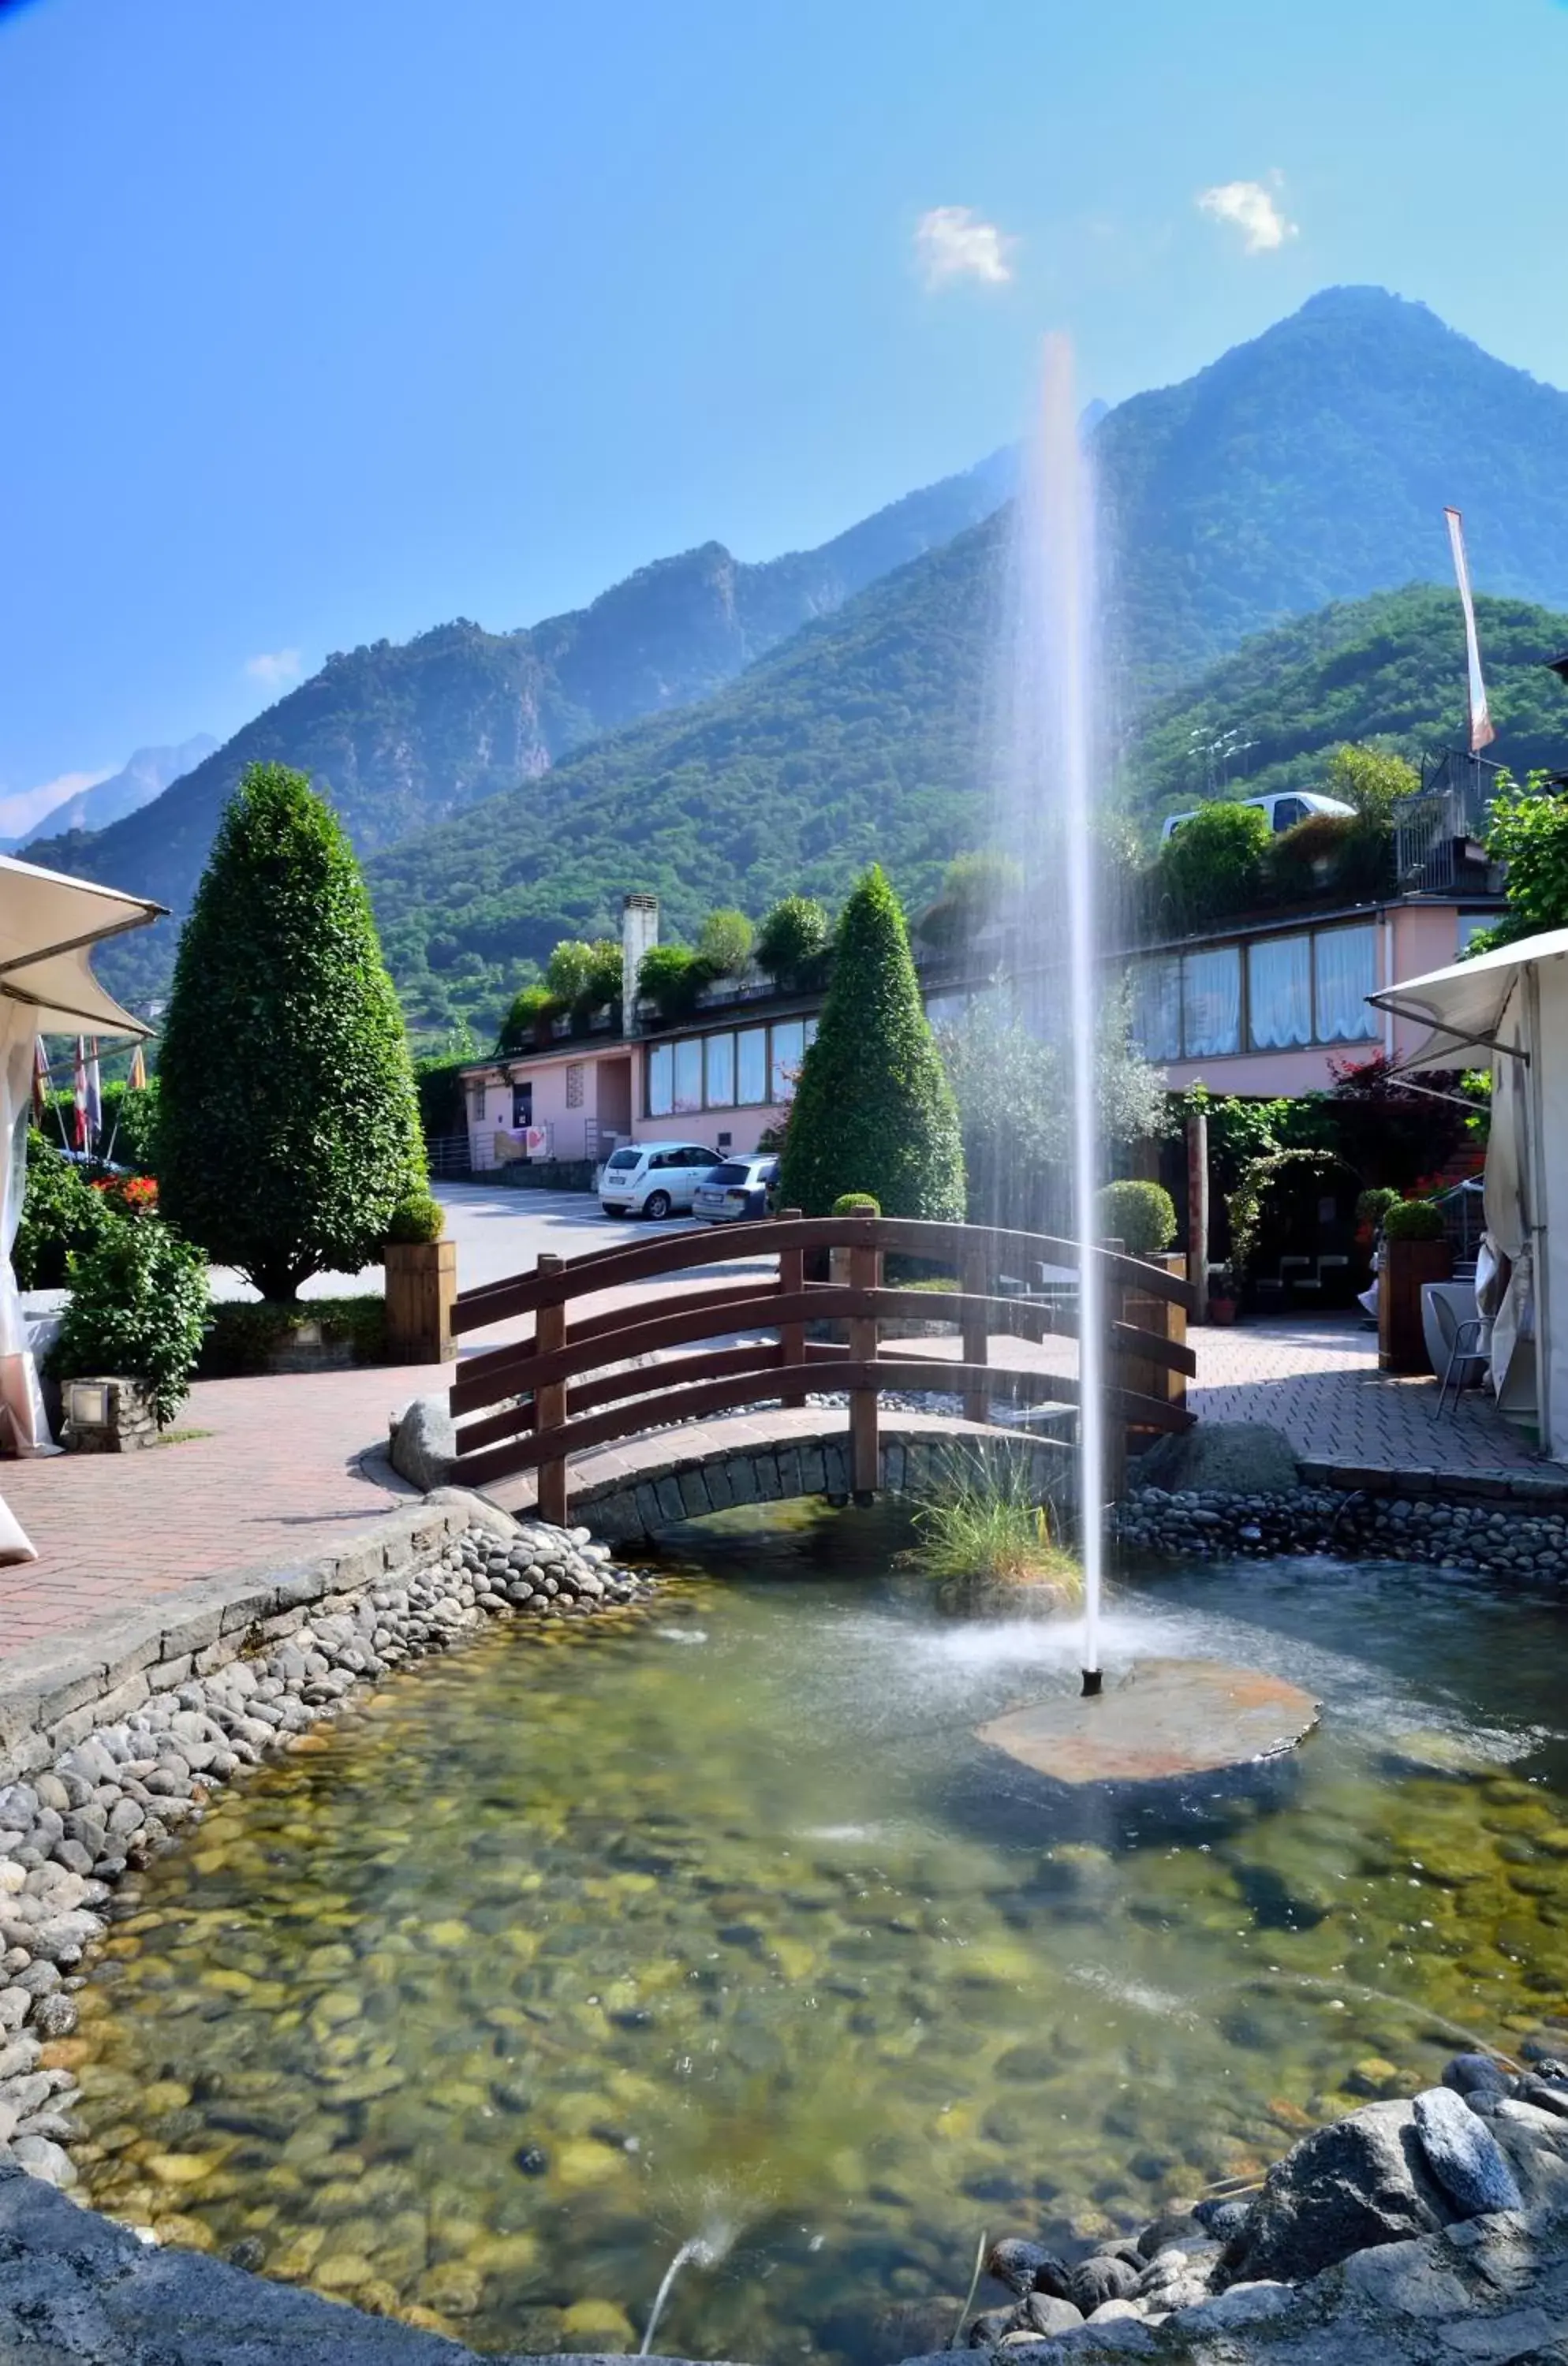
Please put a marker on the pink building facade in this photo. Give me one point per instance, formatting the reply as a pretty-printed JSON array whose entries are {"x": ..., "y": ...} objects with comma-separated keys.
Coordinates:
[{"x": 1267, "y": 1009}]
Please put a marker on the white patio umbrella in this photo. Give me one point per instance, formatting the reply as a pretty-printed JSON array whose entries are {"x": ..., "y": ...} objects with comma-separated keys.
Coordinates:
[{"x": 48, "y": 926}]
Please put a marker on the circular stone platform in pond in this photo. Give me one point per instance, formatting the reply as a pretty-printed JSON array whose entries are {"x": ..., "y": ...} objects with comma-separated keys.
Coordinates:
[{"x": 1164, "y": 1719}]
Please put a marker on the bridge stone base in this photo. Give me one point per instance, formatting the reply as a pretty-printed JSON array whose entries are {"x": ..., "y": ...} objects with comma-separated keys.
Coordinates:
[{"x": 635, "y": 1493}]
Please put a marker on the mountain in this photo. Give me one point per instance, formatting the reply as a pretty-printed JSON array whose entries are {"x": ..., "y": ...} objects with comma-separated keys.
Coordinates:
[
  {"x": 146, "y": 776},
  {"x": 1309, "y": 466},
  {"x": 864, "y": 740},
  {"x": 1313, "y": 464},
  {"x": 403, "y": 735}
]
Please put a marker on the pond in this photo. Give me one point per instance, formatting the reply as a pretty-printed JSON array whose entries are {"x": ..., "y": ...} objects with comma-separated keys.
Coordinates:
[{"x": 557, "y": 1952}]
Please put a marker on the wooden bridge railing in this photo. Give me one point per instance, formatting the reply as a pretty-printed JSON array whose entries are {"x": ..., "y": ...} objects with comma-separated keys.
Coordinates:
[{"x": 575, "y": 1385}]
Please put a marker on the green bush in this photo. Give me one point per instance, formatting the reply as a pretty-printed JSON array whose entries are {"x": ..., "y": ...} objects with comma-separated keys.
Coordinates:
[
  {"x": 417, "y": 1218},
  {"x": 873, "y": 1110},
  {"x": 526, "y": 1024},
  {"x": 1372, "y": 1206},
  {"x": 583, "y": 977},
  {"x": 1142, "y": 1216},
  {"x": 855, "y": 1203},
  {"x": 1412, "y": 1220},
  {"x": 976, "y": 890},
  {"x": 670, "y": 978},
  {"x": 60, "y": 1212},
  {"x": 1212, "y": 868},
  {"x": 243, "y": 1336},
  {"x": 289, "y": 1126},
  {"x": 724, "y": 948},
  {"x": 792, "y": 943},
  {"x": 138, "y": 1310}
]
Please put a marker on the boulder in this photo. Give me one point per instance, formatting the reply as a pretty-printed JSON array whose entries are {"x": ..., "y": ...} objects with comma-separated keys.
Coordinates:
[
  {"x": 1463, "y": 2155},
  {"x": 1222, "y": 1458},
  {"x": 1363, "y": 2180},
  {"x": 423, "y": 1445}
]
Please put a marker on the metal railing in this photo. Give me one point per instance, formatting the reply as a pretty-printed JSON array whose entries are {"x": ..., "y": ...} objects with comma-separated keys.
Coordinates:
[
  {"x": 1448, "y": 811},
  {"x": 573, "y": 1386}
]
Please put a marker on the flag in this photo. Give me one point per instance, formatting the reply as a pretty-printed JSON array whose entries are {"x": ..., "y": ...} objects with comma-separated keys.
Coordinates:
[
  {"x": 41, "y": 1080},
  {"x": 94, "y": 1097},
  {"x": 81, "y": 1094},
  {"x": 1481, "y": 729},
  {"x": 136, "y": 1080}
]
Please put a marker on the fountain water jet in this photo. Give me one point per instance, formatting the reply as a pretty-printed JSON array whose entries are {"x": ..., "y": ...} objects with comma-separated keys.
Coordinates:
[{"x": 703, "y": 2250}]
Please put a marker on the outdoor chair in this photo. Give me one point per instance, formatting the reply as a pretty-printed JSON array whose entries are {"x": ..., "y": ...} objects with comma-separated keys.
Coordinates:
[{"x": 1466, "y": 1365}]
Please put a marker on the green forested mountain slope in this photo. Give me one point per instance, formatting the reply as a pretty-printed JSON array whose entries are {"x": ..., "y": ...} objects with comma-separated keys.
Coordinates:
[{"x": 867, "y": 737}]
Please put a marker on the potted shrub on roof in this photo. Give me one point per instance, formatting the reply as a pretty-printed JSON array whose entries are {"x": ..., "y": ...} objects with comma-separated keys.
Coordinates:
[{"x": 1415, "y": 1251}]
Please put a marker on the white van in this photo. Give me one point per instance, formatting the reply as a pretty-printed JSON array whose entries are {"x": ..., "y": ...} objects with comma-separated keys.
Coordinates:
[
  {"x": 1284, "y": 809},
  {"x": 654, "y": 1178}
]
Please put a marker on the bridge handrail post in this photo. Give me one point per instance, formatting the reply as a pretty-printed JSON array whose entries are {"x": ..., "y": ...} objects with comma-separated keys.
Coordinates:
[
  {"x": 865, "y": 1273},
  {"x": 549, "y": 1402},
  {"x": 973, "y": 1282},
  {"x": 1117, "y": 1374},
  {"x": 792, "y": 1335}
]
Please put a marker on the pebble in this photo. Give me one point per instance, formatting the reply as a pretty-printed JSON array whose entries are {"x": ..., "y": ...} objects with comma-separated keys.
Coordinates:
[
  {"x": 1210, "y": 1524},
  {"x": 114, "y": 1798}
]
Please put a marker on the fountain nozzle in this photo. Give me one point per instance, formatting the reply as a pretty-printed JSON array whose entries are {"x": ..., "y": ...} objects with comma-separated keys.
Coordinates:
[{"x": 1093, "y": 1684}]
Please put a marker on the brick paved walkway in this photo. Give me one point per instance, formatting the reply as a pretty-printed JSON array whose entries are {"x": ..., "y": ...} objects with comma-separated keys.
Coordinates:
[
  {"x": 1317, "y": 1379},
  {"x": 279, "y": 1478}
]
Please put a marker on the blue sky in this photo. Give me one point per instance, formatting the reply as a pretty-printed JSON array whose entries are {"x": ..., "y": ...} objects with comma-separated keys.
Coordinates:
[{"x": 327, "y": 320}]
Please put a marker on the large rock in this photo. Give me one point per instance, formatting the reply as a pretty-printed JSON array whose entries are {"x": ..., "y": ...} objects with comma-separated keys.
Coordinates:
[
  {"x": 1226, "y": 1458},
  {"x": 425, "y": 1443},
  {"x": 1463, "y": 2155},
  {"x": 1364, "y": 2180}
]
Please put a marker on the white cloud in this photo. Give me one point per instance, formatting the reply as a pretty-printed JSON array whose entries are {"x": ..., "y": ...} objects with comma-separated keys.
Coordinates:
[
  {"x": 1254, "y": 211},
  {"x": 25, "y": 808},
  {"x": 273, "y": 668},
  {"x": 952, "y": 242}
]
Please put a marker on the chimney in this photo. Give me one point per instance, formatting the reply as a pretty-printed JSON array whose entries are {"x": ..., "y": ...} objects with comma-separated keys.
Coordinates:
[{"x": 639, "y": 934}]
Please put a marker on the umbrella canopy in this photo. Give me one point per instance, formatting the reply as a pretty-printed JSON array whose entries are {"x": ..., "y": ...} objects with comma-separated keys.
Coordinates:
[
  {"x": 1468, "y": 1005},
  {"x": 48, "y": 925}
]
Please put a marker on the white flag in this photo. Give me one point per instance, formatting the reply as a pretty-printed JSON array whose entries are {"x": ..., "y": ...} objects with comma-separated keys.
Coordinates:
[{"x": 1481, "y": 729}]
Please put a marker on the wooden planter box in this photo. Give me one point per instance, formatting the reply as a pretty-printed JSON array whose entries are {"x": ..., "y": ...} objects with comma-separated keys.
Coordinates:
[
  {"x": 422, "y": 1283},
  {"x": 106, "y": 1416},
  {"x": 1408, "y": 1265}
]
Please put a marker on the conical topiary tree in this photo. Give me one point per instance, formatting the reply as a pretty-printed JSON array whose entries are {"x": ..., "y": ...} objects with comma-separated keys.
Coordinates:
[
  {"x": 288, "y": 1123},
  {"x": 874, "y": 1111}
]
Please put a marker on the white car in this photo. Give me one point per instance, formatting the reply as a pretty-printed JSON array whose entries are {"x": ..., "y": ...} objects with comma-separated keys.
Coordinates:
[
  {"x": 1284, "y": 809},
  {"x": 654, "y": 1178}
]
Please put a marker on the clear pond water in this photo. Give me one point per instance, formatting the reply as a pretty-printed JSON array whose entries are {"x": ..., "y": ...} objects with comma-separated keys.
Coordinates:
[{"x": 571, "y": 1945}]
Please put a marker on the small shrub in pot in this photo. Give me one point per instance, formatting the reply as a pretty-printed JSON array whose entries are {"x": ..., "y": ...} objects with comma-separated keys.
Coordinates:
[
  {"x": 417, "y": 1218},
  {"x": 1412, "y": 1220},
  {"x": 137, "y": 1311}
]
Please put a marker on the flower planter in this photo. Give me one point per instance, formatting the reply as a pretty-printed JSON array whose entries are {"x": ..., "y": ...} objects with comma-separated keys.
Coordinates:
[
  {"x": 1408, "y": 1265},
  {"x": 422, "y": 1283},
  {"x": 110, "y": 1415}
]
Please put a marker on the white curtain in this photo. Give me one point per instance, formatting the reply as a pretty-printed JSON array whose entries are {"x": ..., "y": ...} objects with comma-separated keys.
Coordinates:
[
  {"x": 1278, "y": 992},
  {"x": 1156, "y": 1007},
  {"x": 1211, "y": 997},
  {"x": 21, "y": 1402},
  {"x": 1345, "y": 963}
]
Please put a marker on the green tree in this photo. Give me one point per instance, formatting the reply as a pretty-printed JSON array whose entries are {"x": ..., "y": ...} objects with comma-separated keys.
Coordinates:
[
  {"x": 976, "y": 889},
  {"x": 874, "y": 1111},
  {"x": 1528, "y": 832},
  {"x": 289, "y": 1126},
  {"x": 1369, "y": 780},
  {"x": 583, "y": 977},
  {"x": 793, "y": 941},
  {"x": 670, "y": 978},
  {"x": 526, "y": 1013}
]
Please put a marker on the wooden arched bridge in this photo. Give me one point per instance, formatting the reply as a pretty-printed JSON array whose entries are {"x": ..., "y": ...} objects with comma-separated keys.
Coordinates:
[{"x": 661, "y": 1359}]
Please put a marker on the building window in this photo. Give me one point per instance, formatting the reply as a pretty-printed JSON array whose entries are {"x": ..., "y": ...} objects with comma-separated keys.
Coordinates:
[
  {"x": 718, "y": 1071},
  {"x": 1156, "y": 1007},
  {"x": 688, "y": 1075},
  {"x": 1278, "y": 992},
  {"x": 574, "y": 1076},
  {"x": 660, "y": 1079},
  {"x": 1211, "y": 1002},
  {"x": 789, "y": 1050},
  {"x": 1343, "y": 972},
  {"x": 752, "y": 1066}
]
